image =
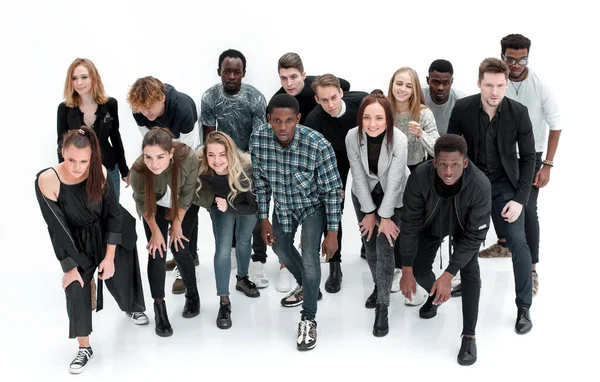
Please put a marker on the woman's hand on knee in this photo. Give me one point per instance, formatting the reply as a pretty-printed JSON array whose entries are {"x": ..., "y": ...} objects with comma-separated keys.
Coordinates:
[{"x": 71, "y": 276}]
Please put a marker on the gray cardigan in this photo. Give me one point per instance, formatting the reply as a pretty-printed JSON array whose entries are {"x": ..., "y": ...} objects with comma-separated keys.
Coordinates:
[{"x": 392, "y": 172}]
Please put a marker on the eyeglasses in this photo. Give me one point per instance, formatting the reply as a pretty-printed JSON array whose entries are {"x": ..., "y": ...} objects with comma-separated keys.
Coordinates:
[{"x": 513, "y": 61}]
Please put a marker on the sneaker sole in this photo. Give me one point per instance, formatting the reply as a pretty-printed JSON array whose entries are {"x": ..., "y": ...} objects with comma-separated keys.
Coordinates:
[
  {"x": 247, "y": 295},
  {"x": 305, "y": 348},
  {"x": 140, "y": 323},
  {"x": 468, "y": 363},
  {"x": 291, "y": 305}
]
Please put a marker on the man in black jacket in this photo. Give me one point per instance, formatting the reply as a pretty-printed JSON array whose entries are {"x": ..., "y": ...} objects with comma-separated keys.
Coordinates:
[
  {"x": 446, "y": 196},
  {"x": 493, "y": 126},
  {"x": 333, "y": 117}
]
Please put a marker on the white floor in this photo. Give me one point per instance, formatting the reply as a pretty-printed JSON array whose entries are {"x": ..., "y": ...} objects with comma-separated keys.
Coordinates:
[{"x": 261, "y": 343}]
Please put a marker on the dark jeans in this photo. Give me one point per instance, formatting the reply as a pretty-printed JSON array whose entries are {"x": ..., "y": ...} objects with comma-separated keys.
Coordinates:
[
  {"x": 183, "y": 257},
  {"x": 470, "y": 278},
  {"x": 502, "y": 193},
  {"x": 305, "y": 268},
  {"x": 344, "y": 168},
  {"x": 532, "y": 222},
  {"x": 227, "y": 225},
  {"x": 259, "y": 248},
  {"x": 115, "y": 177},
  {"x": 380, "y": 255}
]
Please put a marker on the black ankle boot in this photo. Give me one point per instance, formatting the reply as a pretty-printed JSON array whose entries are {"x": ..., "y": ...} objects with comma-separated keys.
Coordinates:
[
  {"x": 428, "y": 310},
  {"x": 523, "y": 324},
  {"x": 163, "y": 326},
  {"x": 334, "y": 281},
  {"x": 192, "y": 304},
  {"x": 371, "y": 302},
  {"x": 381, "y": 328}
]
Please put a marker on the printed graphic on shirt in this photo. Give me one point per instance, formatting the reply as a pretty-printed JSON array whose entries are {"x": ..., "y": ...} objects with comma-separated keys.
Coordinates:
[{"x": 235, "y": 115}]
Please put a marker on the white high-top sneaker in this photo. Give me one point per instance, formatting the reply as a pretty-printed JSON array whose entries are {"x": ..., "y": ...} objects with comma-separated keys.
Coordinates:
[
  {"x": 396, "y": 280},
  {"x": 418, "y": 298},
  {"x": 233, "y": 259},
  {"x": 284, "y": 283},
  {"x": 257, "y": 273}
]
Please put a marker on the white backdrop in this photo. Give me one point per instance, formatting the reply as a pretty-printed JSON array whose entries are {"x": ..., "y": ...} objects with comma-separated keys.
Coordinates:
[{"x": 179, "y": 42}]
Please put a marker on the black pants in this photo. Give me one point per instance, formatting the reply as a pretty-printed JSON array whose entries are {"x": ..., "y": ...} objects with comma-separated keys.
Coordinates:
[
  {"x": 470, "y": 278},
  {"x": 344, "y": 168},
  {"x": 532, "y": 222},
  {"x": 183, "y": 257},
  {"x": 125, "y": 286}
]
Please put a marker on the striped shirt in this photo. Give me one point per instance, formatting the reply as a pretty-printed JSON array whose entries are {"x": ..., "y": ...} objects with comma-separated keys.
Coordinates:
[{"x": 302, "y": 177}]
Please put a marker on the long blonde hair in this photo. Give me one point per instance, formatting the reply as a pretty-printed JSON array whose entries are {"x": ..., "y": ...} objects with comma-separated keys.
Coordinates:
[
  {"x": 416, "y": 102},
  {"x": 72, "y": 99},
  {"x": 239, "y": 166}
]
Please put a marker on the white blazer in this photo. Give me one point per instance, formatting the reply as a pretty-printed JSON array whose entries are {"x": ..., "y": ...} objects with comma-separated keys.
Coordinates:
[{"x": 392, "y": 171}]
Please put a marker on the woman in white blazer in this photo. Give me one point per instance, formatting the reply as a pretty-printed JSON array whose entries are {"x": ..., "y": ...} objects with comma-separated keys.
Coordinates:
[{"x": 378, "y": 162}]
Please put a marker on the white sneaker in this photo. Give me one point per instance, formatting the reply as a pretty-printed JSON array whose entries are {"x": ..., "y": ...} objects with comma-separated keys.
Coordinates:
[
  {"x": 233, "y": 259},
  {"x": 138, "y": 318},
  {"x": 284, "y": 283},
  {"x": 418, "y": 298},
  {"x": 257, "y": 273},
  {"x": 456, "y": 281},
  {"x": 396, "y": 280}
]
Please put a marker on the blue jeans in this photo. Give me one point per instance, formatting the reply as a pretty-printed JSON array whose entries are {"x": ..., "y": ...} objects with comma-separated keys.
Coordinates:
[
  {"x": 306, "y": 269},
  {"x": 502, "y": 193},
  {"x": 115, "y": 177},
  {"x": 223, "y": 225}
]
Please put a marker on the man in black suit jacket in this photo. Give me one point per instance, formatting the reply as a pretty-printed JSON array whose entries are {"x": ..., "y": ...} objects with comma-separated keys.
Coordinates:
[{"x": 493, "y": 126}]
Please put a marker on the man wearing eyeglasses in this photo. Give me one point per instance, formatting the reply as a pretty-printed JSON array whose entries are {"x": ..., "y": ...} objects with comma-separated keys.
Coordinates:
[{"x": 525, "y": 87}]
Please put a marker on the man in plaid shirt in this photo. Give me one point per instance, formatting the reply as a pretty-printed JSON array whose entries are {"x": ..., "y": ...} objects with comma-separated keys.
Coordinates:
[{"x": 298, "y": 166}]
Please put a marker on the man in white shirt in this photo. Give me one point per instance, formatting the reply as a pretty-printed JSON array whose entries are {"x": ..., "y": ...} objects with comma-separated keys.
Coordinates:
[
  {"x": 439, "y": 94},
  {"x": 525, "y": 87}
]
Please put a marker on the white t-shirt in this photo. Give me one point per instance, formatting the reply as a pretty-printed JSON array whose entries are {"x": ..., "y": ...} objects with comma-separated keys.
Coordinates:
[
  {"x": 543, "y": 111},
  {"x": 442, "y": 112}
]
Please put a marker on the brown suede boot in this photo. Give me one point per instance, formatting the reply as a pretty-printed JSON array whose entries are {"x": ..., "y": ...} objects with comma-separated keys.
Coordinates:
[{"x": 178, "y": 286}]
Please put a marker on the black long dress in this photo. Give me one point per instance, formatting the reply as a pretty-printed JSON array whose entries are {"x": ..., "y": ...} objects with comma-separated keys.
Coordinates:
[{"x": 80, "y": 232}]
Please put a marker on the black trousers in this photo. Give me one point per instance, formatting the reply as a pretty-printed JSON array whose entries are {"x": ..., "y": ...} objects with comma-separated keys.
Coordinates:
[
  {"x": 532, "y": 221},
  {"x": 470, "y": 278},
  {"x": 125, "y": 286},
  {"x": 183, "y": 257}
]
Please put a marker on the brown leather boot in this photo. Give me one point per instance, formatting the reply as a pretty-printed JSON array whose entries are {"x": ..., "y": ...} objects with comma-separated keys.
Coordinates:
[
  {"x": 178, "y": 286},
  {"x": 170, "y": 265}
]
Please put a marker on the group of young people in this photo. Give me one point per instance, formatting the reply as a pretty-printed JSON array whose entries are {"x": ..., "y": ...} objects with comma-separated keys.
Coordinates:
[{"x": 427, "y": 164}]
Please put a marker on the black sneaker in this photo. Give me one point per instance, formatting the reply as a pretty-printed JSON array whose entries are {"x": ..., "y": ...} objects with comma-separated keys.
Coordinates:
[
  {"x": 467, "y": 355},
  {"x": 296, "y": 297},
  {"x": 307, "y": 334},
  {"x": 428, "y": 310},
  {"x": 224, "y": 317},
  {"x": 247, "y": 287},
  {"x": 81, "y": 360}
]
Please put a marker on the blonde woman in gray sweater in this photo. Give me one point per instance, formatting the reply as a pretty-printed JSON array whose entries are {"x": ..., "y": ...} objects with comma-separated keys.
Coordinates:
[{"x": 412, "y": 116}]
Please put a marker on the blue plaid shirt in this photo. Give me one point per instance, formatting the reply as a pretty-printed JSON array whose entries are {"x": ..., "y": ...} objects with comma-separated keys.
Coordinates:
[{"x": 302, "y": 177}]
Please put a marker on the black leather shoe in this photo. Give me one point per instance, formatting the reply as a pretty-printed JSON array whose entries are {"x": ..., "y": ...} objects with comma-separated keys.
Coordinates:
[
  {"x": 467, "y": 355},
  {"x": 371, "y": 302},
  {"x": 428, "y": 310},
  {"x": 523, "y": 324},
  {"x": 192, "y": 304},
  {"x": 163, "y": 326},
  {"x": 456, "y": 291},
  {"x": 224, "y": 317},
  {"x": 334, "y": 281},
  {"x": 381, "y": 328}
]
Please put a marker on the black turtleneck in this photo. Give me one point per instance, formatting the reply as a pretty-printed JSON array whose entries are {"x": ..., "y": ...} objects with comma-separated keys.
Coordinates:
[{"x": 373, "y": 151}]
